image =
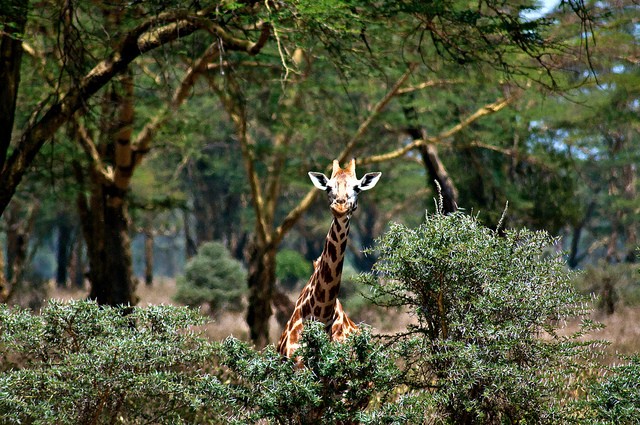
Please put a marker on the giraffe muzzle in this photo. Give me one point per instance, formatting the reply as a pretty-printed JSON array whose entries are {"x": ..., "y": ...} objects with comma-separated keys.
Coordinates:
[{"x": 340, "y": 208}]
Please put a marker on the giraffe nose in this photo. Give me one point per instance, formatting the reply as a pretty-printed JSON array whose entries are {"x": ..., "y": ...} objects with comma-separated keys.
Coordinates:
[{"x": 341, "y": 201}]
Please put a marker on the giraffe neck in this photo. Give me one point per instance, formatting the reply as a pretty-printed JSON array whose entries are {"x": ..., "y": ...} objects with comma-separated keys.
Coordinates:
[{"x": 329, "y": 269}]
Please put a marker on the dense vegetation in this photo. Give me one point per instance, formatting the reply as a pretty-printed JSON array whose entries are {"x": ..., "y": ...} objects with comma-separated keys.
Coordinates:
[
  {"x": 166, "y": 138},
  {"x": 214, "y": 278},
  {"x": 487, "y": 347}
]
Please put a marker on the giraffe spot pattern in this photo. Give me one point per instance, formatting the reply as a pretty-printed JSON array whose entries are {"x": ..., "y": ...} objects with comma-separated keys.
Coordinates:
[
  {"x": 333, "y": 292},
  {"x": 320, "y": 294},
  {"x": 327, "y": 275},
  {"x": 331, "y": 250},
  {"x": 328, "y": 313},
  {"x": 339, "y": 266}
]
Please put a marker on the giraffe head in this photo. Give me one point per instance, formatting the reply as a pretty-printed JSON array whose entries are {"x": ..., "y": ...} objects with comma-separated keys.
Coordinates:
[{"x": 343, "y": 187}]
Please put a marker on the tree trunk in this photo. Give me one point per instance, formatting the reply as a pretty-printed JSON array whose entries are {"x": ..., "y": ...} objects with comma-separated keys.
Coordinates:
[
  {"x": 13, "y": 17},
  {"x": 190, "y": 246},
  {"x": 19, "y": 227},
  {"x": 283, "y": 305},
  {"x": 629, "y": 193},
  {"x": 575, "y": 258},
  {"x": 437, "y": 175},
  {"x": 262, "y": 275},
  {"x": 65, "y": 245},
  {"x": 105, "y": 227},
  {"x": 76, "y": 264},
  {"x": 4, "y": 285},
  {"x": 148, "y": 256}
]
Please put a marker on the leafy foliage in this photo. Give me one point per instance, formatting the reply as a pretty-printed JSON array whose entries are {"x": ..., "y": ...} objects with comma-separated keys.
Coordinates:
[
  {"x": 486, "y": 345},
  {"x": 617, "y": 398},
  {"x": 291, "y": 267},
  {"x": 82, "y": 363},
  {"x": 212, "y": 277},
  {"x": 335, "y": 386}
]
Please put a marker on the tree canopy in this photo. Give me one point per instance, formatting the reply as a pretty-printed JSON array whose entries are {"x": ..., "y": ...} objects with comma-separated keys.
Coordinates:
[{"x": 216, "y": 111}]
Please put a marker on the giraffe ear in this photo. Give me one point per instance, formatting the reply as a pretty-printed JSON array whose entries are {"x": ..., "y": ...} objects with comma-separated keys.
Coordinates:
[
  {"x": 369, "y": 180},
  {"x": 319, "y": 180}
]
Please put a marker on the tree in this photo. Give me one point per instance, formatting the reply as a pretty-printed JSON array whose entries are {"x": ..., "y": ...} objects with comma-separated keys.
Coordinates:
[
  {"x": 353, "y": 48},
  {"x": 146, "y": 35},
  {"x": 502, "y": 43},
  {"x": 596, "y": 125},
  {"x": 212, "y": 277},
  {"x": 482, "y": 302}
]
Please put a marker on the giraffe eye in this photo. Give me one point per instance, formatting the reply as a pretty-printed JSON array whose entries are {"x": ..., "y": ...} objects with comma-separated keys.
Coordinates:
[{"x": 357, "y": 189}]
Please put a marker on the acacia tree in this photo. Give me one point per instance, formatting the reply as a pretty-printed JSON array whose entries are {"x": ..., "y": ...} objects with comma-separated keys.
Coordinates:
[
  {"x": 597, "y": 126},
  {"x": 475, "y": 42},
  {"x": 489, "y": 32},
  {"x": 113, "y": 153}
]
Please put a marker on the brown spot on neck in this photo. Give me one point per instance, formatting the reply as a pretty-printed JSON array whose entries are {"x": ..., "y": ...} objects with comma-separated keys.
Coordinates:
[
  {"x": 327, "y": 275},
  {"x": 332, "y": 252}
]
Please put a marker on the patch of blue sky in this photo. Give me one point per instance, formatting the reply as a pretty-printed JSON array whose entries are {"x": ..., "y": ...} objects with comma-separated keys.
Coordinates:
[{"x": 544, "y": 7}]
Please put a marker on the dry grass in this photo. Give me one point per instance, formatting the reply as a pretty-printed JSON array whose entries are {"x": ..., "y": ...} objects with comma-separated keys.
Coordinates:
[{"x": 622, "y": 329}]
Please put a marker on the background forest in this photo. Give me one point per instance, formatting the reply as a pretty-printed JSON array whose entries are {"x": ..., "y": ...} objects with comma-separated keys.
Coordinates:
[{"x": 157, "y": 151}]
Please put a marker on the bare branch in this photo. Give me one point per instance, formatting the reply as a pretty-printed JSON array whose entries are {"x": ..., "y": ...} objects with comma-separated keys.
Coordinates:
[
  {"x": 392, "y": 154},
  {"x": 231, "y": 101},
  {"x": 442, "y": 137},
  {"x": 510, "y": 152},
  {"x": 481, "y": 112},
  {"x": 428, "y": 84},
  {"x": 145, "y": 137},
  {"x": 234, "y": 43},
  {"x": 88, "y": 145},
  {"x": 137, "y": 42},
  {"x": 374, "y": 113}
]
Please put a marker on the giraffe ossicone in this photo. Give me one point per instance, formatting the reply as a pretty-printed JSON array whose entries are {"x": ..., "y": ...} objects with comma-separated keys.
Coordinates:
[{"x": 318, "y": 300}]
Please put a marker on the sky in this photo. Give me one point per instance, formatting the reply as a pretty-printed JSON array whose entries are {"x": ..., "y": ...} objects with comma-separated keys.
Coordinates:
[{"x": 546, "y": 6}]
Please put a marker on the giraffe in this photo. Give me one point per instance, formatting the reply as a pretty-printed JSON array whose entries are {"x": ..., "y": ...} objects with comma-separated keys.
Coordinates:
[{"x": 318, "y": 299}]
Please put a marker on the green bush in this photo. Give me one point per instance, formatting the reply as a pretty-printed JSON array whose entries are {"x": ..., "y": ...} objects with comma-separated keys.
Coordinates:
[
  {"x": 335, "y": 386},
  {"x": 291, "y": 268},
  {"x": 485, "y": 348},
  {"x": 81, "y": 363},
  {"x": 212, "y": 277},
  {"x": 616, "y": 398}
]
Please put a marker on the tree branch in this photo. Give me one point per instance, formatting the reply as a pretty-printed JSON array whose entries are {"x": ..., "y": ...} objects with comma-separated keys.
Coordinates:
[
  {"x": 443, "y": 136},
  {"x": 234, "y": 43},
  {"x": 145, "y": 136},
  {"x": 290, "y": 100},
  {"x": 140, "y": 40},
  {"x": 427, "y": 84},
  {"x": 232, "y": 100},
  {"x": 374, "y": 113},
  {"x": 88, "y": 145},
  {"x": 306, "y": 202}
]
